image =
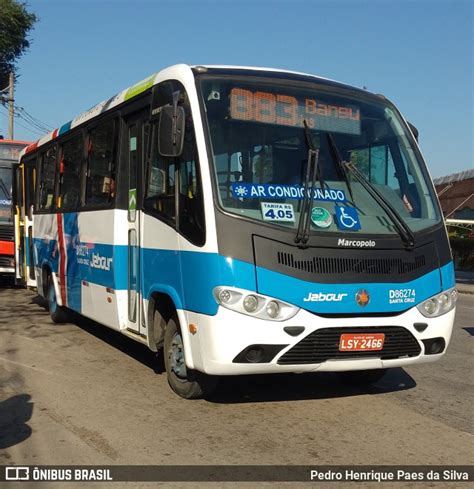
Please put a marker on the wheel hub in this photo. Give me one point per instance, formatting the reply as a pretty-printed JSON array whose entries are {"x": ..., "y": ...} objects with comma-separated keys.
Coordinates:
[
  {"x": 176, "y": 356},
  {"x": 52, "y": 299}
]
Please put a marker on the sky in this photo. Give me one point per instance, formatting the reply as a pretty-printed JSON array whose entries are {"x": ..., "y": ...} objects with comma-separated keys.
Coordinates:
[{"x": 418, "y": 53}]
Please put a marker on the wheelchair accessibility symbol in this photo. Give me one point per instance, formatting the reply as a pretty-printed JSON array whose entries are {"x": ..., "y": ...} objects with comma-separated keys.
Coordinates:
[{"x": 347, "y": 218}]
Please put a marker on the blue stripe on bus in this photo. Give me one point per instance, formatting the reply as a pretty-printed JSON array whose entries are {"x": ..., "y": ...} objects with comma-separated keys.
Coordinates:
[
  {"x": 448, "y": 280},
  {"x": 101, "y": 264},
  {"x": 64, "y": 128},
  {"x": 384, "y": 297},
  {"x": 193, "y": 275},
  {"x": 27, "y": 251},
  {"x": 189, "y": 278}
]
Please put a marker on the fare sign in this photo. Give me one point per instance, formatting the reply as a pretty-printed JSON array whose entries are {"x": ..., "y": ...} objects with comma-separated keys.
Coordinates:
[{"x": 287, "y": 110}]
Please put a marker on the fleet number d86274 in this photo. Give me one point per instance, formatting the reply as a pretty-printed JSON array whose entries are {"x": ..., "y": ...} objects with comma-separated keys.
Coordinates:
[{"x": 401, "y": 296}]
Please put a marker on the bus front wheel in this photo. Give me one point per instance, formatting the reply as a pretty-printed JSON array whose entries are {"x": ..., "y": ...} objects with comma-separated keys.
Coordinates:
[
  {"x": 59, "y": 314},
  {"x": 188, "y": 384}
]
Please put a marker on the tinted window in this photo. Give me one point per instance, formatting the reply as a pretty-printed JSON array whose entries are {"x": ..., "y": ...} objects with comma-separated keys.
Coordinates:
[
  {"x": 191, "y": 202},
  {"x": 5, "y": 193},
  {"x": 100, "y": 186},
  {"x": 260, "y": 133},
  {"x": 70, "y": 169},
  {"x": 47, "y": 171},
  {"x": 160, "y": 191},
  {"x": 164, "y": 174}
]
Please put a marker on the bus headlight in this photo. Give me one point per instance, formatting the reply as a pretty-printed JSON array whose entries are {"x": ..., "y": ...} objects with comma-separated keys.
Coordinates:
[
  {"x": 252, "y": 304},
  {"x": 225, "y": 296},
  {"x": 273, "y": 309},
  {"x": 439, "y": 304}
]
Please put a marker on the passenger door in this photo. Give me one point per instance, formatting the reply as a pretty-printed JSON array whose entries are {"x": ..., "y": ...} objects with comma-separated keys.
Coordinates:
[
  {"x": 29, "y": 196},
  {"x": 19, "y": 218},
  {"x": 136, "y": 134}
]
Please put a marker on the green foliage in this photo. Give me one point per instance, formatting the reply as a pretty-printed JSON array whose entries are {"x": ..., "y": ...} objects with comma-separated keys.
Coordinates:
[
  {"x": 360, "y": 158},
  {"x": 463, "y": 252},
  {"x": 15, "y": 24}
]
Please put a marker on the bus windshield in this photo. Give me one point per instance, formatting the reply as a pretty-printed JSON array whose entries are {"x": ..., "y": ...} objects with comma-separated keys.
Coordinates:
[
  {"x": 5, "y": 193},
  {"x": 261, "y": 134}
]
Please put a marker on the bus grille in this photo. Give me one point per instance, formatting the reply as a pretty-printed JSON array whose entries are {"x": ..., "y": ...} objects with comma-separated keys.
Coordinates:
[
  {"x": 5, "y": 262},
  {"x": 323, "y": 344},
  {"x": 6, "y": 233},
  {"x": 335, "y": 265},
  {"x": 345, "y": 265}
]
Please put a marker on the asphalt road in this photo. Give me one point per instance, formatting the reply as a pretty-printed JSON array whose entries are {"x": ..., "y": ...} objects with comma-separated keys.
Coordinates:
[{"x": 82, "y": 394}]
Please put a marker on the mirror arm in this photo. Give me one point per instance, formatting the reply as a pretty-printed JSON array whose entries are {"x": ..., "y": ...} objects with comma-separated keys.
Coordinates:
[{"x": 175, "y": 116}]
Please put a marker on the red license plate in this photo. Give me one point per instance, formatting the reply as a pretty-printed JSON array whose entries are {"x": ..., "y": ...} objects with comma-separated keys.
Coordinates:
[{"x": 361, "y": 342}]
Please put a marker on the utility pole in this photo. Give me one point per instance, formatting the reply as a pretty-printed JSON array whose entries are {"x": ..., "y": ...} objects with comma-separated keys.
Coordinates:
[{"x": 11, "y": 110}]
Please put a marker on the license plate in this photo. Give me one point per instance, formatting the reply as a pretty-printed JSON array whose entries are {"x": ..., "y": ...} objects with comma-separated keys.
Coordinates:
[{"x": 361, "y": 342}]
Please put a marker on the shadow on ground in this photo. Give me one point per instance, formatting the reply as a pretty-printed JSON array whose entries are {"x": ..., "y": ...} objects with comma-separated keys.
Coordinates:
[
  {"x": 7, "y": 282},
  {"x": 15, "y": 412},
  {"x": 133, "y": 349},
  {"x": 286, "y": 387},
  {"x": 252, "y": 388}
]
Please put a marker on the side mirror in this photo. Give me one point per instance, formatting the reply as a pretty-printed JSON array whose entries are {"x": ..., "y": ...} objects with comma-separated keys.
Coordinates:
[
  {"x": 414, "y": 130},
  {"x": 171, "y": 131}
]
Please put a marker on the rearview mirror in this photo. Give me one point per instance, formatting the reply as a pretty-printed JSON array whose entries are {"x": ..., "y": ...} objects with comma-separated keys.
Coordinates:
[
  {"x": 413, "y": 129},
  {"x": 171, "y": 131}
]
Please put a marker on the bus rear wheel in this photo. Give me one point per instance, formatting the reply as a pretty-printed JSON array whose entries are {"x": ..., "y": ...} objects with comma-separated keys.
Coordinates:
[
  {"x": 362, "y": 377},
  {"x": 59, "y": 314},
  {"x": 188, "y": 384}
]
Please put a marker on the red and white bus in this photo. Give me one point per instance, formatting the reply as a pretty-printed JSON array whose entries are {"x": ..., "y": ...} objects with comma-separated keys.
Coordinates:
[{"x": 9, "y": 154}]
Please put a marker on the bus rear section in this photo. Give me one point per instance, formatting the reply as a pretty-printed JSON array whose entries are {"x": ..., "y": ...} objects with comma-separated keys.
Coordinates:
[
  {"x": 9, "y": 154},
  {"x": 23, "y": 195}
]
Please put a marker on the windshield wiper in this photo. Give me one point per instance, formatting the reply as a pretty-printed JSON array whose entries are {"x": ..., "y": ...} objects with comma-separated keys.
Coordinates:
[
  {"x": 312, "y": 161},
  {"x": 340, "y": 166},
  {"x": 403, "y": 230},
  {"x": 5, "y": 189}
]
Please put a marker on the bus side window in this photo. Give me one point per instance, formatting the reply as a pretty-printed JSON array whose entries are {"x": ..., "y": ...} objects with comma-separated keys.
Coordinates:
[
  {"x": 46, "y": 186},
  {"x": 191, "y": 201},
  {"x": 29, "y": 189},
  {"x": 160, "y": 191},
  {"x": 377, "y": 165},
  {"x": 70, "y": 171},
  {"x": 100, "y": 184},
  {"x": 171, "y": 178}
]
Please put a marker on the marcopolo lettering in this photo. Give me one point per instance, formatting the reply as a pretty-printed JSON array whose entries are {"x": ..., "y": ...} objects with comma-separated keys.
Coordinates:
[{"x": 356, "y": 243}]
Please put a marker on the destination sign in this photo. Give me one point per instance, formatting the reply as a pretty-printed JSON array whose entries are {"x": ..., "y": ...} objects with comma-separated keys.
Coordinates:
[{"x": 286, "y": 110}]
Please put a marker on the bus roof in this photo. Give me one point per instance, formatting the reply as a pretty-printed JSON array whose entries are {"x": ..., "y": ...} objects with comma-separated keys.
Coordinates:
[
  {"x": 153, "y": 79},
  {"x": 14, "y": 141}
]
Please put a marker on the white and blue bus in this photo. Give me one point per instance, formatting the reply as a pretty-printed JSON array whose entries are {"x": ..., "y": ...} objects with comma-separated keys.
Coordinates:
[{"x": 245, "y": 221}]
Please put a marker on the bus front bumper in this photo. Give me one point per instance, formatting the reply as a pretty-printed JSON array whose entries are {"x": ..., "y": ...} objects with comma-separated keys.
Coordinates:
[
  {"x": 7, "y": 270},
  {"x": 221, "y": 344}
]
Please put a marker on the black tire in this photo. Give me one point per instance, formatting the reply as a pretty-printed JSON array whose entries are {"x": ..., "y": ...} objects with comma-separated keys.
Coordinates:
[
  {"x": 362, "y": 377},
  {"x": 188, "y": 384},
  {"x": 59, "y": 314}
]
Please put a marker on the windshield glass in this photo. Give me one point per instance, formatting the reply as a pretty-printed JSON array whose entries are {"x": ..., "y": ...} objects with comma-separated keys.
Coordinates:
[
  {"x": 10, "y": 152},
  {"x": 260, "y": 154},
  {"x": 5, "y": 193}
]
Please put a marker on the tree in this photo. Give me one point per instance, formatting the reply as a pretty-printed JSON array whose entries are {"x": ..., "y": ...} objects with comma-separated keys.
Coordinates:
[{"x": 15, "y": 24}]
